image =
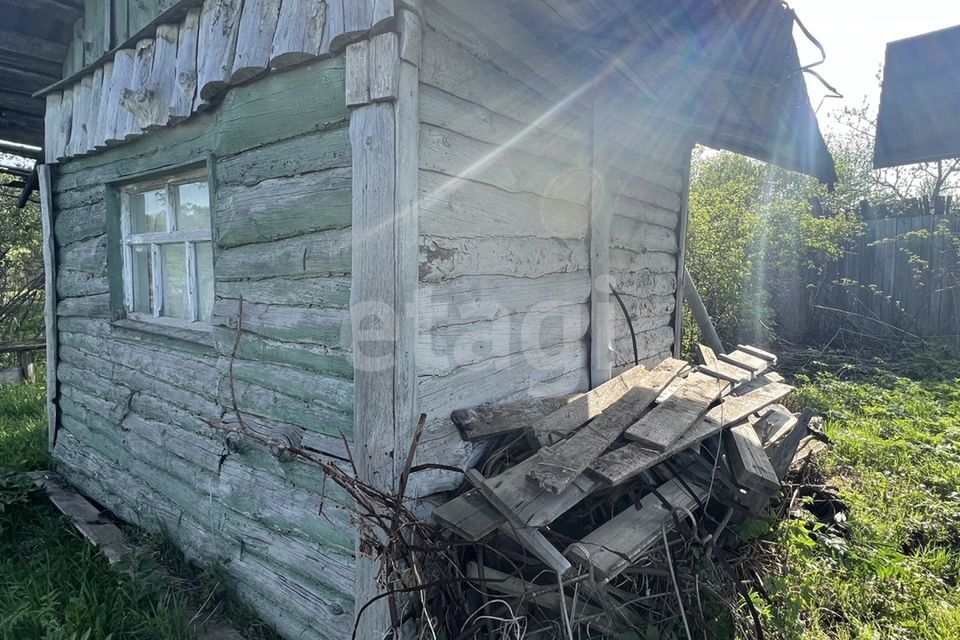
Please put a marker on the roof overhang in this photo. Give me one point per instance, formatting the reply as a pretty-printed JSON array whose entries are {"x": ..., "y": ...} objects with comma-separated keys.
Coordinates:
[
  {"x": 34, "y": 36},
  {"x": 727, "y": 69},
  {"x": 919, "y": 119}
]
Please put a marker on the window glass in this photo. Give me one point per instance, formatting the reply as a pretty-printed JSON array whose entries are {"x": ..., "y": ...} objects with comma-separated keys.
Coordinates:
[
  {"x": 142, "y": 274},
  {"x": 167, "y": 239},
  {"x": 148, "y": 211},
  {"x": 193, "y": 206},
  {"x": 174, "y": 258},
  {"x": 204, "y": 281}
]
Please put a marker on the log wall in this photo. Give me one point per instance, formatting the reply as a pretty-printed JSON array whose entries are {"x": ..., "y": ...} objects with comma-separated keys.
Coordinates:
[
  {"x": 509, "y": 163},
  {"x": 146, "y": 408}
]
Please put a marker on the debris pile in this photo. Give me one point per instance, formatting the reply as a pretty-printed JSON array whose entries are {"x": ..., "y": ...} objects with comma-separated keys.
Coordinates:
[{"x": 581, "y": 499}]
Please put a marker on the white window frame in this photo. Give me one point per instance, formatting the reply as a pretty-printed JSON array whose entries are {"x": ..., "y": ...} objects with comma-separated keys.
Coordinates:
[{"x": 155, "y": 241}]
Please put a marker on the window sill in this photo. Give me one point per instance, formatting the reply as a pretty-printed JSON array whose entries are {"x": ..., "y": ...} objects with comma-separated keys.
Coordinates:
[{"x": 196, "y": 332}]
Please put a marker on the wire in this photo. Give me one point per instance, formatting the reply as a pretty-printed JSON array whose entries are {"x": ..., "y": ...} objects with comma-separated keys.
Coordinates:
[{"x": 633, "y": 333}]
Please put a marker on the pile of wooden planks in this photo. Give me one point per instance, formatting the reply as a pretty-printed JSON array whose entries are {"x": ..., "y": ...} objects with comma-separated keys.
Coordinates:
[{"x": 585, "y": 487}]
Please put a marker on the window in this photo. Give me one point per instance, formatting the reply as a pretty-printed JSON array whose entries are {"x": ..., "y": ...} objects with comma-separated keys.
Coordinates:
[{"x": 167, "y": 250}]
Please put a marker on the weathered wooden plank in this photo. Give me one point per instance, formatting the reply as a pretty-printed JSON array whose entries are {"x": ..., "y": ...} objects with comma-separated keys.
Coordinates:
[
  {"x": 491, "y": 420},
  {"x": 782, "y": 445},
  {"x": 615, "y": 545},
  {"x": 620, "y": 465},
  {"x": 185, "y": 88},
  {"x": 81, "y": 113},
  {"x": 161, "y": 85},
  {"x": 66, "y": 124},
  {"x": 777, "y": 419},
  {"x": 330, "y": 292},
  {"x": 560, "y": 464},
  {"x": 216, "y": 46},
  {"x": 51, "y": 127},
  {"x": 134, "y": 97},
  {"x": 48, "y": 245},
  {"x": 283, "y": 207},
  {"x": 255, "y": 35},
  {"x": 750, "y": 465},
  {"x": 87, "y": 255},
  {"x": 93, "y": 115},
  {"x": 299, "y": 32},
  {"x": 531, "y": 539},
  {"x": 72, "y": 283},
  {"x": 745, "y": 361},
  {"x": 640, "y": 236},
  {"x": 565, "y": 420},
  {"x": 119, "y": 120},
  {"x": 667, "y": 422},
  {"x": 94, "y": 306},
  {"x": 758, "y": 353}
]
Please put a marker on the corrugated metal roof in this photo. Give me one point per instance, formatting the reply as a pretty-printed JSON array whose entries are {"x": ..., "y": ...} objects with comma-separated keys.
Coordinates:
[{"x": 919, "y": 119}]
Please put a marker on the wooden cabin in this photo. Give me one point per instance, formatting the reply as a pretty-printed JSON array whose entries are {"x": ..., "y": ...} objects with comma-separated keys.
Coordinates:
[{"x": 303, "y": 223}]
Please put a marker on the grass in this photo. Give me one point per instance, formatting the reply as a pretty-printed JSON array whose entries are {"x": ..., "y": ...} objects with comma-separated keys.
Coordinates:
[
  {"x": 889, "y": 567},
  {"x": 55, "y": 586}
]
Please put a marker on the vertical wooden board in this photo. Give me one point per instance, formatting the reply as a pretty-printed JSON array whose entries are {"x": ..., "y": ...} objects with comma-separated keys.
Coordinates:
[
  {"x": 358, "y": 73},
  {"x": 357, "y": 17},
  {"x": 122, "y": 76},
  {"x": 373, "y": 298},
  {"x": 119, "y": 18},
  {"x": 136, "y": 99},
  {"x": 106, "y": 119},
  {"x": 66, "y": 123},
  {"x": 889, "y": 270},
  {"x": 50, "y": 298},
  {"x": 255, "y": 36},
  {"x": 299, "y": 33},
  {"x": 81, "y": 111},
  {"x": 332, "y": 26},
  {"x": 407, "y": 195},
  {"x": 384, "y": 66},
  {"x": 950, "y": 301},
  {"x": 93, "y": 116},
  {"x": 92, "y": 30},
  {"x": 601, "y": 307},
  {"x": 219, "y": 24},
  {"x": 163, "y": 76},
  {"x": 51, "y": 127},
  {"x": 185, "y": 88},
  {"x": 682, "y": 223}
]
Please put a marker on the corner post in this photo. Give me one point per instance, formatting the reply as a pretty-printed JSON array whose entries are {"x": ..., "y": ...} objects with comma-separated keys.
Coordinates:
[
  {"x": 50, "y": 298},
  {"x": 382, "y": 91}
]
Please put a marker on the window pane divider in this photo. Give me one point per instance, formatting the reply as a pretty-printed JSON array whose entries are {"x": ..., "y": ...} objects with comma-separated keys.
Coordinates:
[
  {"x": 195, "y": 235},
  {"x": 157, "y": 281},
  {"x": 192, "y": 285}
]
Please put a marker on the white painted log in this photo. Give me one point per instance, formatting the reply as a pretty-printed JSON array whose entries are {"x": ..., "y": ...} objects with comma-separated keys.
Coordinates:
[
  {"x": 163, "y": 77},
  {"x": 255, "y": 37},
  {"x": 219, "y": 25},
  {"x": 65, "y": 124},
  {"x": 105, "y": 126},
  {"x": 51, "y": 127},
  {"x": 93, "y": 115},
  {"x": 136, "y": 98},
  {"x": 185, "y": 88},
  {"x": 299, "y": 32},
  {"x": 447, "y": 258},
  {"x": 358, "y": 74}
]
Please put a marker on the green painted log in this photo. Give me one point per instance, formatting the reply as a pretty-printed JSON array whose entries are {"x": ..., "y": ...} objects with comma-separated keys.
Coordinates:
[
  {"x": 318, "y": 151},
  {"x": 283, "y": 208},
  {"x": 331, "y": 292},
  {"x": 323, "y": 253},
  {"x": 328, "y": 327},
  {"x": 82, "y": 223},
  {"x": 315, "y": 358},
  {"x": 71, "y": 284}
]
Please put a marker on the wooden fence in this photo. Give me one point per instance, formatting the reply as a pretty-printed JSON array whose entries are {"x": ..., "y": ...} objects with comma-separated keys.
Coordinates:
[{"x": 901, "y": 275}]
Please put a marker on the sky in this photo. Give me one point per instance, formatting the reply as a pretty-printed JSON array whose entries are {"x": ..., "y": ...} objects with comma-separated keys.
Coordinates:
[{"x": 854, "y": 34}]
